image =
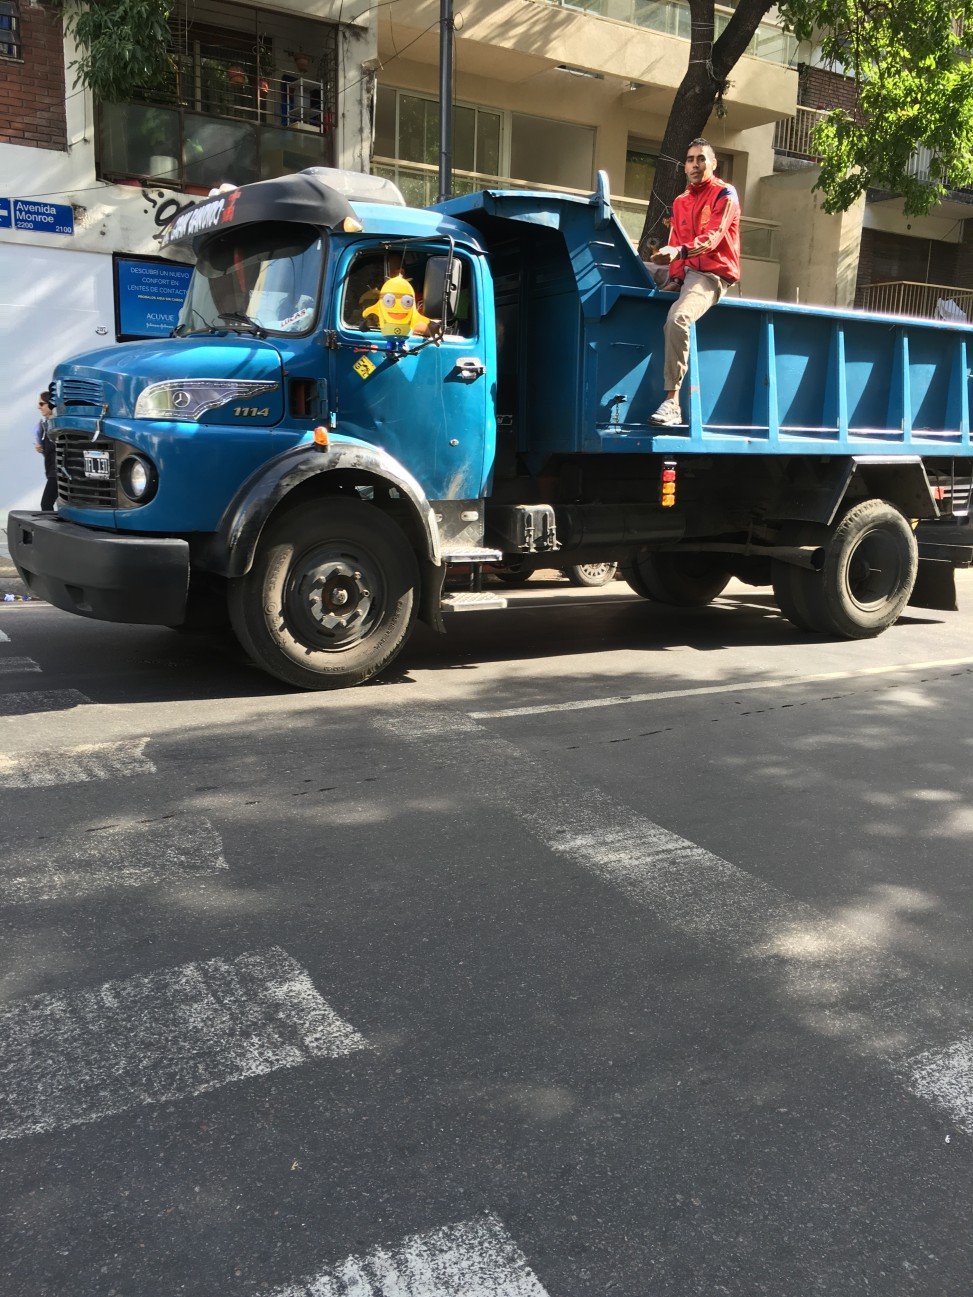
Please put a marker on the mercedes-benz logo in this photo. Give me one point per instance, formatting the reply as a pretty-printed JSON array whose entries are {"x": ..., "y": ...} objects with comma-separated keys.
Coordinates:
[{"x": 181, "y": 399}]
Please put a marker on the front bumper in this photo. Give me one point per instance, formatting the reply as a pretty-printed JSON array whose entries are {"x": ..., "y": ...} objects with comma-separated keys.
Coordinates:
[{"x": 99, "y": 574}]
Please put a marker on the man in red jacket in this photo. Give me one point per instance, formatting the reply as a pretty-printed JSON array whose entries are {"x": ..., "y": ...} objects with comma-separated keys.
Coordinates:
[{"x": 703, "y": 256}]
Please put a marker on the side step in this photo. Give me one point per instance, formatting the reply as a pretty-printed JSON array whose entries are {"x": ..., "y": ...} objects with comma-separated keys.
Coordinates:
[
  {"x": 472, "y": 601},
  {"x": 472, "y": 554}
]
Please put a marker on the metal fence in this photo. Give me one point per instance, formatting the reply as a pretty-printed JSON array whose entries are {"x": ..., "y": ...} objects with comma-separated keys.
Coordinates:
[
  {"x": 793, "y": 135},
  {"x": 923, "y": 301}
]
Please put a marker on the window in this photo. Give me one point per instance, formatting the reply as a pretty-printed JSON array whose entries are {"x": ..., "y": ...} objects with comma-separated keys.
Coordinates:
[
  {"x": 369, "y": 271},
  {"x": 487, "y": 145},
  {"x": 641, "y": 161},
  {"x": 266, "y": 275},
  {"x": 247, "y": 98},
  {"x": 10, "y": 46}
]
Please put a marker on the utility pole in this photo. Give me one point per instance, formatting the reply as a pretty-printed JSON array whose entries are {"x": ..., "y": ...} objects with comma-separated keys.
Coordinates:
[{"x": 445, "y": 99}]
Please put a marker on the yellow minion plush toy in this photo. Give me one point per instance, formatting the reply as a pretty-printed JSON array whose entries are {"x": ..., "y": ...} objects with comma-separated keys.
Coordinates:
[{"x": 396, "y": 309}]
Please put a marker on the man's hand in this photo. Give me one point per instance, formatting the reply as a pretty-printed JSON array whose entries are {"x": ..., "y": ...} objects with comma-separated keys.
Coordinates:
[
  {"x": 665, "y": 256},
  {"x": 672, "y": 286},
  {"x": 39, "y": 449}
]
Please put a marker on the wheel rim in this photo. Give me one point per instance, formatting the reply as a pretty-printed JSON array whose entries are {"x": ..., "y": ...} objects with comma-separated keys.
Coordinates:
[
  {"x": 596, "y": 571},
  {"x": 875, "y": 569},
  {"x": 334, "y": 597}
]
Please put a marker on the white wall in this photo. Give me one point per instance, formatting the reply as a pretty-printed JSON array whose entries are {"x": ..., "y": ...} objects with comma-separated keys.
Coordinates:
[{"x": 52, "y": 303}]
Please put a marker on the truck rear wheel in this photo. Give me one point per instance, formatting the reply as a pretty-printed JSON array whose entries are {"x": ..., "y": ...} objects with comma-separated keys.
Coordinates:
[
  {"x": 683, "y": 580},
  {"x": 331, "y": 596},
  {"x": 591, "y": 574},
  {"x": 870, "y": 565}
]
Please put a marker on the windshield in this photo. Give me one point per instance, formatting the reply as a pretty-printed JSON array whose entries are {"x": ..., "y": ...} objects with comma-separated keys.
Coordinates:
[{"x": 265, "y": 276}]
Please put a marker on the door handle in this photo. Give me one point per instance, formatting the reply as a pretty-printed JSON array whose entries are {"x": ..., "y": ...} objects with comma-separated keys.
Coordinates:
[{"x": 470, "y": 367}]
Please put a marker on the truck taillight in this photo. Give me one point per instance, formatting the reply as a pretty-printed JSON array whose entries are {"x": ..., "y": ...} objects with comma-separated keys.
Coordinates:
[{"x": 667, "y": 484}]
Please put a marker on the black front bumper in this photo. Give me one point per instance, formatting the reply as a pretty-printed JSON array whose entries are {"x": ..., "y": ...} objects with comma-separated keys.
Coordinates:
[{"x": 101, "y": 574}]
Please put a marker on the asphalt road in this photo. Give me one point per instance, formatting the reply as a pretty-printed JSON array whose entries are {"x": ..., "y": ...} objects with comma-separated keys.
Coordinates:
[{"x": 599, "y": 949}]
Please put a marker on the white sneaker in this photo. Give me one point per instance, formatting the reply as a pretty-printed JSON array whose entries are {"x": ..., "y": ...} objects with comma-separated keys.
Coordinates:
[{"x": 668, "y": 414}]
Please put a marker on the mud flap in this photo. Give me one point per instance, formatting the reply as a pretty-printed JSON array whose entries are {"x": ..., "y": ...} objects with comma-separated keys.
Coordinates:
[{"x": 935, "y": 585}]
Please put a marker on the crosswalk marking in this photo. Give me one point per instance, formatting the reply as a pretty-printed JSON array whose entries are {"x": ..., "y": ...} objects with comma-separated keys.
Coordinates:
[
  {"x": 15, "y": 666},
  {"x": 66, "y": 1059},
  {"x": 39, "y": 700},
  {"x": 475, "y": 1258},
  {"x": 834, "y": 977},
  {"x": 174, "y": 851},
  {"x": 78, "y": 765},
  {"x": 945, "y": 1076}
]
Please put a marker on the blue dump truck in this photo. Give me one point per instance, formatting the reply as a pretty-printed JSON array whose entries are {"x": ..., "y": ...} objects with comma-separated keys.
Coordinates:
[{"x": 360, "y": 397}]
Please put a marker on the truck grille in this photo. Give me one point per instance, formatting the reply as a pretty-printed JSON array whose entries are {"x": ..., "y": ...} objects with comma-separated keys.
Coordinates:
[
  {"x": 75, "y": 392},
  {"x": 72, "y": 485}
]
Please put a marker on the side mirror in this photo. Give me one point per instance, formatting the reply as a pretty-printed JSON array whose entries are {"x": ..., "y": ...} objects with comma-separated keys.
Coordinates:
[{"x": 441, "y": 287}]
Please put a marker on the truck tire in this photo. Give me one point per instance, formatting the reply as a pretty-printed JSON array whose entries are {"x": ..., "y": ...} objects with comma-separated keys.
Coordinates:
[
  {"x": 331, "y": 597},
  {"x": 591, "y": 574},
  {"x": 870, "y": 564},
  {"x": 683, "y": 580}
]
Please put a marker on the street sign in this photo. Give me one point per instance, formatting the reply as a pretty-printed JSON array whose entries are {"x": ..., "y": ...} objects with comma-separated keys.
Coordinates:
[
  {"x": 5, "y": 216},
  {"x": 43, "y": 218},
  {"x": 149, "y": 293}
]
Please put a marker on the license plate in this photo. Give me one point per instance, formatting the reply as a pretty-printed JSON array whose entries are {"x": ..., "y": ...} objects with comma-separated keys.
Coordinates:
[{"x": 97, "y": 463}]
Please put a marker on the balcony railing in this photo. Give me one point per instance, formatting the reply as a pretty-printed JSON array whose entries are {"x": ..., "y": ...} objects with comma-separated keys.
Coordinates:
[
  {"x": 419, "y": 183},
  {"x": 671, "y": 17},
  {"x": 792, "y": 136},
  {"x": 924, "y": 301}
]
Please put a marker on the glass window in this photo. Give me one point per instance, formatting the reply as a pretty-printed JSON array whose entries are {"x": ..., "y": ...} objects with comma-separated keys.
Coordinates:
[
  {"x": 10, "y": 47},
  {"x": 283, "y": 152},
  {"x": 139, "y": 140},
  {"x": 551, "y": 152},
  {"x": 640, "y": 164},
  {"x": 370, "y": 270},
  {"x": 413, "y": 135},
  {"x": 268, "y": 274},
  {"x": 217, "y": 151}
]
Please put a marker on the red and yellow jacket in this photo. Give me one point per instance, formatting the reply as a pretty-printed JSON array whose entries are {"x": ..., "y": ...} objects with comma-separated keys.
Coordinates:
[{"x": 706, "y": 224}]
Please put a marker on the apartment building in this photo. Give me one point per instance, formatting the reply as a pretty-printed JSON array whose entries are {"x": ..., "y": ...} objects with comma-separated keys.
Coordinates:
[
  {"x": 254, "y": 92},
  {"x": 877, "y": 257},
  {"x": 548, "y": 92}
]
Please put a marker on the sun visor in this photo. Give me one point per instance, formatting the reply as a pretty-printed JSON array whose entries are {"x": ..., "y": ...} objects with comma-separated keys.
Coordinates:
[{"x": 300, "y": 198}]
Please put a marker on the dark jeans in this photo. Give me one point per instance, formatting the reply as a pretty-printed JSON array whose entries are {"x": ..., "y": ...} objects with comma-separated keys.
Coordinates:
[{"x": 50, "y": 495}]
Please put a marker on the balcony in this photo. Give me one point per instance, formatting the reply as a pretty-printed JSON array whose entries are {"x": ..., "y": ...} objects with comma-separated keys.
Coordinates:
[
  {"x": 792, "y": 135},
  {"x": 672, "y": 18},
  {"x": 634, "y": 48},
  {"x": 920, "y": 301},
  {"x": 419, "y": 184}
]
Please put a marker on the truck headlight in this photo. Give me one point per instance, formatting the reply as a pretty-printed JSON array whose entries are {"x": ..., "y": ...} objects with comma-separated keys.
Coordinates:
[
  {"x": 189, "y": 398},
  {"x": 138, "y": 478}
]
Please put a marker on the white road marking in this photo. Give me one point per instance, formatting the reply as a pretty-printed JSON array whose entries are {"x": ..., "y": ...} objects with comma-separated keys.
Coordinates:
[
  {"x": 945, "y": 1077},
  {"x": 15, "y": 666},
  {"x": 4, "y": 639},
  {"x": 742, "y": 686},
  {"x": 75, "y": 765},
  {"x": 51, "y": 700},
  {"x": 173, "y": 851},
  {"x": 66, "y": 1059},
  {"x": 836, "y": 977},
  {"x": 475, "y": 1258}
]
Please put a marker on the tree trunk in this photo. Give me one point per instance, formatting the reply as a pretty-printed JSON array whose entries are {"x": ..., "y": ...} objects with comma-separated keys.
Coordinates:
[{"x": 703, "y": 85}]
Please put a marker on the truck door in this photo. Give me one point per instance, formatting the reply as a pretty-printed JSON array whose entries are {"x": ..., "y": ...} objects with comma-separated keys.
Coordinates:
[{"x": 430, "y": 405}]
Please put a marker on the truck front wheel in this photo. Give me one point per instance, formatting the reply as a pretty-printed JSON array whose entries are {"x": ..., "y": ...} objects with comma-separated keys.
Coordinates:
[
  {"x": 684, "y": 580},
  {"x": 331, "y": 596},
  {"x": 870, "y": 565}
]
